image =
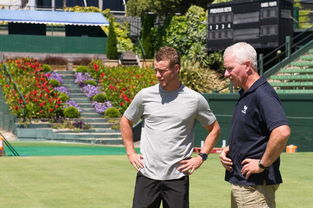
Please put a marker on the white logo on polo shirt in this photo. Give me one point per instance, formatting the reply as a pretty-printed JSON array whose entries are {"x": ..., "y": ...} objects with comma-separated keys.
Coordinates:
[{"x": 245, "y": 108}]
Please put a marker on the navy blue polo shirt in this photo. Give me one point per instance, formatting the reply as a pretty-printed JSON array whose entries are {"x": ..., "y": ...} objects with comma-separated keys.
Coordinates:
[{"x": 257, "y": 112}]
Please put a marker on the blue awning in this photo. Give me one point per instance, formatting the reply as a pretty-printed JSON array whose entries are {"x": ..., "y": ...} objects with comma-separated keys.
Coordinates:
[{"x": 53, "y": 17}]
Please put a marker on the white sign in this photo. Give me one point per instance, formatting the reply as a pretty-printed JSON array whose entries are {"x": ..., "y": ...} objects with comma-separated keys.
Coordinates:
[
  {"x": 220, "y": 10},
  {"x": 269, "y": 4}
]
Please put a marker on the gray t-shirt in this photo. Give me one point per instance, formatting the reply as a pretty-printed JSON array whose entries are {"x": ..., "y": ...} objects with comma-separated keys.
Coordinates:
[{"x": 167, "y": 135}]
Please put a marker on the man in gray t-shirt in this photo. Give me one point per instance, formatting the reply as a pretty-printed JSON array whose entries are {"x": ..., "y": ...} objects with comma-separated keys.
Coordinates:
[{"x": 169, "y": 111}]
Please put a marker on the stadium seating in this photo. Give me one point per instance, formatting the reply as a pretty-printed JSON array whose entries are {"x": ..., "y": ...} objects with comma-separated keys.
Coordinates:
[{"x": 297, "y": 77}]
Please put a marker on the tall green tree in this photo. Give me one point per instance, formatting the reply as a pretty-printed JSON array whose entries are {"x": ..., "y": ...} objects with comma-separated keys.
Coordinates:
[
  {"x": 112, "y": 42},
  {"x": 146, "y": 37},
  {"x": 162, "y": 7}
]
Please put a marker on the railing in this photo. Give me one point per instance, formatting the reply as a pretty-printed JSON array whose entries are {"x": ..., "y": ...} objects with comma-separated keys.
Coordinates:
[{"x": 285, "y": 50}]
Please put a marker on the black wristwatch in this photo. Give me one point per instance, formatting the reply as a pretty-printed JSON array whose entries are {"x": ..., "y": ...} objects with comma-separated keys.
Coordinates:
[
  {"x": 203, "y": 156},
  {"x": 262, "y": 166}
]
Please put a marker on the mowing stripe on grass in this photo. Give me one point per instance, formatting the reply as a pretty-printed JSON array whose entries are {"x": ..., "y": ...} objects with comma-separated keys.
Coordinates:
[{"x": 56, "y": 149}]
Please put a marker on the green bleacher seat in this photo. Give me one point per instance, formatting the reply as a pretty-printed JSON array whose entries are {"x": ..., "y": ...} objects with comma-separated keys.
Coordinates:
[
  {"x": 302, "y": 63},
  {"x": 294, "y": 91},
  {"x": 291, "y": 77},
  {"x": 307, "y": 57},
  {"x": 292, "y": 84},
  {"x": 296, "y": 70}
]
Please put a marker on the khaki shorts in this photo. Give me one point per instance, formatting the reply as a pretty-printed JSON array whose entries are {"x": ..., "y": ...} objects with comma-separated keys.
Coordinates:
[{"x": 259, "y": 196}]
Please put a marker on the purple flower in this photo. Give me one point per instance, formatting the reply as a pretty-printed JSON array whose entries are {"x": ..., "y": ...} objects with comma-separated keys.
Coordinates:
[
  {"x": 101, "y": 107},
  {"x": 72, "y": 103},
  {"x": 62, "y": 89},
  {"x": 56, "y": 76},
  {"x": 90, "y": 90},
  {"x": 82, "y": 77}
]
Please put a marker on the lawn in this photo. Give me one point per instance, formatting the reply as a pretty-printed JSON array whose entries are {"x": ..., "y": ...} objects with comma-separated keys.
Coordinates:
[{"x": 107, "y": 181}]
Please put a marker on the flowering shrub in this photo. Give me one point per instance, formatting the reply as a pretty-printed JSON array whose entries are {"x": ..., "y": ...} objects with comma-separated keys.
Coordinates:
[
  {"x": 121, "y": 84},
  {"x": 101, "y": 107},
  {"x": 81, "y": 78},
  {"x": 55, "y": 76},
  {"x": 62, "y": 89},
  {"x": 39, "y": 100},
  {"x": 72, "y": 103},
  {"x": 90, "y": 90}
]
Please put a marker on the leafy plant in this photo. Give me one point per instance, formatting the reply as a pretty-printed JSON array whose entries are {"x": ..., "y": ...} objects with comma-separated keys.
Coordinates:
[
  {"x": 71, "y": 112},
  {"x": 215, "y": 61},
  {"x": 54, "y": 82},
  {"x": 101, "y": 98},
  {"x": 201, "y": 79},
  {"x": 64, "y": 97},
  {"x": 46, "y": 68},
  {"x": 90, "y": 82},
  {"x": 82, "y": 69},
  {"x": 112, "y": 112}
]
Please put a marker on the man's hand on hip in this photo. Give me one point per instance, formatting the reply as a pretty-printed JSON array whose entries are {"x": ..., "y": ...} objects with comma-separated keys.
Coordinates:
[{"x": 136, "y": 160}]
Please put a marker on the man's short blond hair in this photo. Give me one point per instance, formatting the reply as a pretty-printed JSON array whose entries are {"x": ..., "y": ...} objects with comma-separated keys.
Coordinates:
[{"x": 168, "y": 53}]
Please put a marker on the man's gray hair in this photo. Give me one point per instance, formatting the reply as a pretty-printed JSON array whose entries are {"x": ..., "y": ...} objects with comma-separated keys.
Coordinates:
[{"x": 243, "y": 52}]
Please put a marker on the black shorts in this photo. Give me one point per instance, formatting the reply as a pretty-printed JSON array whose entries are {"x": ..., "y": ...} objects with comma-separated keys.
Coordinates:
[{"x": 150, "y": 193}]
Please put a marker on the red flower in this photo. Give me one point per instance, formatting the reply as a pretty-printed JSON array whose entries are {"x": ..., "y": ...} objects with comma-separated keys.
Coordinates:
[
  {"x": 111, "y": 87},
  {"x": 122, "y": 104}
]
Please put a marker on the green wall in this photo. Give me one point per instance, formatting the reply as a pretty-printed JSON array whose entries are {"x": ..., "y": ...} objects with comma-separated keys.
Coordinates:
[
  {"x": 50, "y": 44},
  {"x": 7, "y": 120},
  {"x": 298, "y": 108}
]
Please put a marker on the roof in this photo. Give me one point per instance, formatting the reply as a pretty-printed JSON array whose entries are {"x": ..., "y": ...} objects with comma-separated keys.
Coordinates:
[{"x": 53, "y": 17}]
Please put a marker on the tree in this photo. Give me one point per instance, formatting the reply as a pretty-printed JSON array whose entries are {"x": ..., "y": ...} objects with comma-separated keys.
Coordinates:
[
  {"x": 112, "y": 42},
  {"x": 146, "y": 37},
  {"x": 162, "y": 7}
]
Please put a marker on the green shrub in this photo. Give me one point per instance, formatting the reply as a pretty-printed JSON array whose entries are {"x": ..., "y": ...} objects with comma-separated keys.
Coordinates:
[
  {"x": 215, "y": 61},
  {"x": 91, "y": 82},
  {"x": 71, "y": 112},
  {"x": 147, "y": 42},
  {"x": 64, "y": 97},
  {"x": 54, "y": 82},
  {"x": 112, "y": 42},
  {"x": 46, "y": 68},
  {"x": 101, "y": 98},
  {"x": 82, "y": 69},
  {"x": 112, "y": 112}
]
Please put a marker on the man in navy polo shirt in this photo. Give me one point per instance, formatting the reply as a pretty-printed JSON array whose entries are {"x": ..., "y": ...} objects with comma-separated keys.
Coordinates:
[{"x": 259, "y": 133}]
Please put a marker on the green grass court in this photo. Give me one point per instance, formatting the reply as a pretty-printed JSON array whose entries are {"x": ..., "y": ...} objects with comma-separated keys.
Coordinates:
[{"x": 51, "y": 175}]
